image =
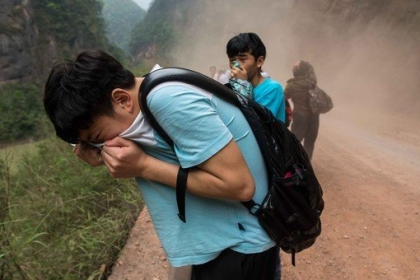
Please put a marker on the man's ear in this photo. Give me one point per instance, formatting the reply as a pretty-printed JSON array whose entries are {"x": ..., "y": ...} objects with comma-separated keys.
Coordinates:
[
  {"x": 122, "y": 99},
  {"x": 260, "y": 61}
]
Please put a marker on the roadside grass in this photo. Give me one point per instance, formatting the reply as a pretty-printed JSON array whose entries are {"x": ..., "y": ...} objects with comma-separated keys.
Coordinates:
[
  {"x": 13, "y": 153},
  {"x": 59, "y": 217}
]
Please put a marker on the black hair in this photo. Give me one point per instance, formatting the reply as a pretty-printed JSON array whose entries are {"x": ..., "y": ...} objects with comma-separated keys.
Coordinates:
[
  {"x": 244, "y": 42},
  {"x": 78, "y": 91}
]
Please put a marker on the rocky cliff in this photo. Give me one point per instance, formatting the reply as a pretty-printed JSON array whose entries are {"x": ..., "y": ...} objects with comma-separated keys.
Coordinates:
[
  {"x": 362, "y": 49},
  {"x": 36, "y": 33},
  {"x": 18, "y": 38}
]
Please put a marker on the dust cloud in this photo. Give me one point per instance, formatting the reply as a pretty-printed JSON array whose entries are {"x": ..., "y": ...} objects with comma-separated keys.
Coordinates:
[{"x": 365, "y": 53}]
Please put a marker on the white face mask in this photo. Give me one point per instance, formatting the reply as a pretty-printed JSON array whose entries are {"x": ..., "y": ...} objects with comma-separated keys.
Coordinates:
[{"x": 140, "y": 130}]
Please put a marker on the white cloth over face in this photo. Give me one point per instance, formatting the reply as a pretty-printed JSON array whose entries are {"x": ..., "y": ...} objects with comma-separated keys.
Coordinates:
[{"x": 140, "y": 130}]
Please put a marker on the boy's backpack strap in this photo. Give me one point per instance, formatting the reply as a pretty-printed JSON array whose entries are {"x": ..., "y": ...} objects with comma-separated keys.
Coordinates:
[
  {"x": 181, "y": 186},
  {"x": 190, "y": 77},
  {"x": 175, "y": 74}
]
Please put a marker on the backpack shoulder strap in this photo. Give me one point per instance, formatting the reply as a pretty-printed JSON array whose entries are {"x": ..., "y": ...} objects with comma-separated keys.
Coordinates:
[
  {"x": 172, "y": 74},
  {"x": 225, "y": 92},
  {"x": 162, "y": 75}
]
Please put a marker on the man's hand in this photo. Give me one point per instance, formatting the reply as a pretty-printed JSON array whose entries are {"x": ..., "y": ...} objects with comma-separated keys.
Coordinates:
[
  {"x": 88, "y": 153},
  {"x": 239, "y": 73},
  {"x": 225, "y": 175},
  {"x": 124, "y": 158}
]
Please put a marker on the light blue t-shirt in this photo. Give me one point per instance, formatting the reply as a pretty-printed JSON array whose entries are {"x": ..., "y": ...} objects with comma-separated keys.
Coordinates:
[
  {"x": 200, "y": 125},
  {"x": 270, "y": 94}
]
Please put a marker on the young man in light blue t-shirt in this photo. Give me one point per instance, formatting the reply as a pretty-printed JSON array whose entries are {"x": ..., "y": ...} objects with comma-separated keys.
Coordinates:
[{"x": 94, "y": 100}]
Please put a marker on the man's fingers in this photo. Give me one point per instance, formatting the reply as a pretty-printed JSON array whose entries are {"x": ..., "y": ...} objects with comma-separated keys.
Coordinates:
[
  {"x": 117, "y": 142},
  {"x": 88, "y": 153}
]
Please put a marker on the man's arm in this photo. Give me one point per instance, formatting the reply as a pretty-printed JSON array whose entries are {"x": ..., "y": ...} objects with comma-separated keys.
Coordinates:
[
  {"x": 202, "y": 142},
  {"x": 225, "y": 175}
]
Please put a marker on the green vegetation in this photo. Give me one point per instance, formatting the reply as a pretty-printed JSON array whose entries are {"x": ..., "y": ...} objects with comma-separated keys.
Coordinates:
[
  {"x": 60, "y": 218},
  {"x": 120, "y": 17},
  {"x": 73, "y": 24},
  {"x": 14, "y": 154},
  {"x": 21, "y": 112},
  {"x": 154, "y": 37}
]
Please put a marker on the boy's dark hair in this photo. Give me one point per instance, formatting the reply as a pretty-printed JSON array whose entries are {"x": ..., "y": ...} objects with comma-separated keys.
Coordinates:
[
  {"x": 78, "y": 91},
  {"x": 245, "y": 42}
]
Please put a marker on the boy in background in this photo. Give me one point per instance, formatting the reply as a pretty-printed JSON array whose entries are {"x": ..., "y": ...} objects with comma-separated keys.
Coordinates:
[
  {"x": 247, "y": 50},
  {"x": 250, "y": 52}
]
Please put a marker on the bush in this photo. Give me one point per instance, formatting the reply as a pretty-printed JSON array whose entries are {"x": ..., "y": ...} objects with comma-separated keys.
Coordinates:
[
  {"x": 63, "y": 219},
  {"x": 21, "y": 112}
]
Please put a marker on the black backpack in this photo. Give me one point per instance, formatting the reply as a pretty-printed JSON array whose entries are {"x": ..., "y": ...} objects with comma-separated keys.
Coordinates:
[{"x": 290, "y": 212}]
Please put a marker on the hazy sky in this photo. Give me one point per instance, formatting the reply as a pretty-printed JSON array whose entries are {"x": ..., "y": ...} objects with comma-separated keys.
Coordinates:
[
  {"x": 143, "y": 3},
  {"x": 367, "y": 59}
]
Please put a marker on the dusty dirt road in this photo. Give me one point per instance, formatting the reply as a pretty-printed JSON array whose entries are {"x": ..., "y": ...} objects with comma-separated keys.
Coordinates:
[{"x": 369, "y": 167}]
